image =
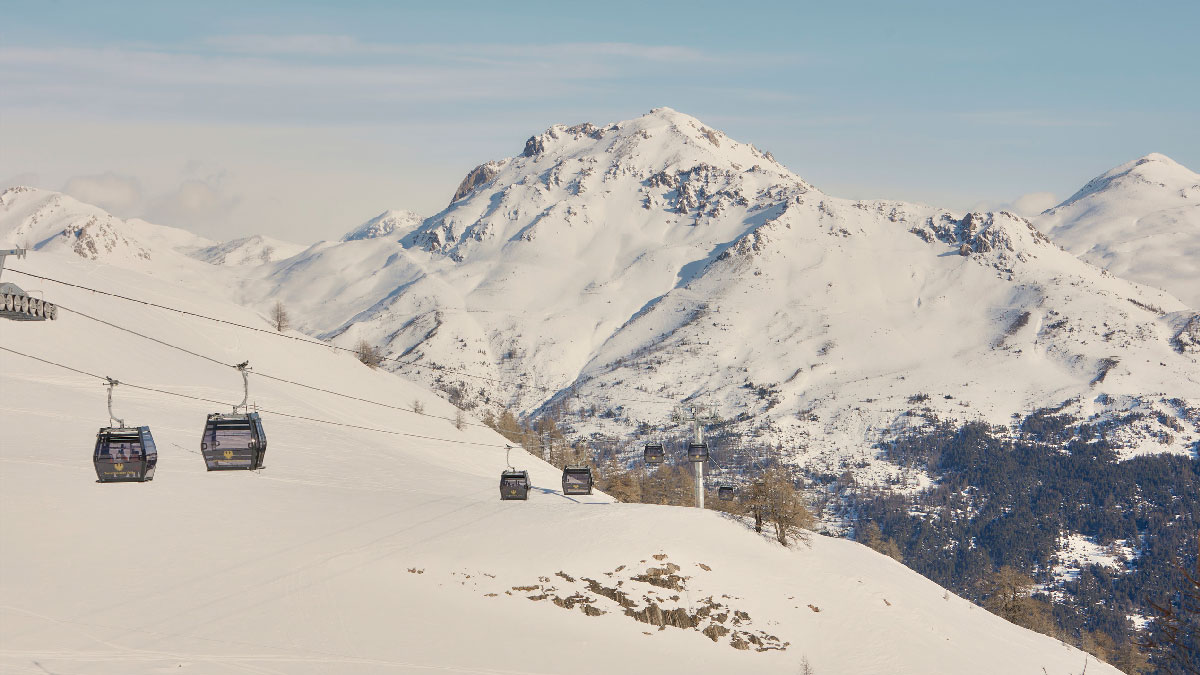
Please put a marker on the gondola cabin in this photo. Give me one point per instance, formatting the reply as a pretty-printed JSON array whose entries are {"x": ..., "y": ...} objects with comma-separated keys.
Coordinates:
[
  {"x": 697, "y": 452},
  {"x": 514, "y": 485},
  {"x": 577, "y": 480},
  {"x": 125, "y": 455},
  {"x": 232, "y": 442},
  {"x": 653, "y": 453},
  {"x": 725, "y": 492}
]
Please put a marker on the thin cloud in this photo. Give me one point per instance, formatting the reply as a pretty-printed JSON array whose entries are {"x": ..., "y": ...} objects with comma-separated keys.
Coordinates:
[
  {"x": 115, "y": 193},
  {"x": 1027, "y": 118},
  {"x": 345, "y": 45},
  {"x": 142, "y": 84},
  {"x": 1027, "y": 205},
  {"x": 198, "y": 203}
]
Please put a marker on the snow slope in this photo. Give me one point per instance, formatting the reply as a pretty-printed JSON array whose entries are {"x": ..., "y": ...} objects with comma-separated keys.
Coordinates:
[
  {"x": 43, "y": 220},
  {"x": 656, "y": 260},
  {"x": 383, "y": 225},
  {"x": 358, "y": 551},
  {"x": 252, "y": 250},
  {"x": 1140, "y": 221}
]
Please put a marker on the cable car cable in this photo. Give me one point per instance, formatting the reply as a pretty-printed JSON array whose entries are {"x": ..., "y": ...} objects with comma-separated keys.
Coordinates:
[
  {"x": 265, "y": 375},
  {"x": 319, "y": 343},
  {"x": 272, "y": 412}
]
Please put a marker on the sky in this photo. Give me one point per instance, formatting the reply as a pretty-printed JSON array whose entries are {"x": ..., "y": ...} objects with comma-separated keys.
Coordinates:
[{"x": 301, "y": 120}]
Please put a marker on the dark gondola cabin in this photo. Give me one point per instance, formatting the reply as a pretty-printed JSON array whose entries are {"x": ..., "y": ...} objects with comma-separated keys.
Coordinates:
[
  {"x": 125, "y": 455},
  {"x": 514, "y": 485},
  {"x": 697, "y": 452},
  {"x": 654, "y": 453},
  {"x": 577, "y": 480},
  {"x": 725, "y": 492},
  {"x": 232, "y": 442}
]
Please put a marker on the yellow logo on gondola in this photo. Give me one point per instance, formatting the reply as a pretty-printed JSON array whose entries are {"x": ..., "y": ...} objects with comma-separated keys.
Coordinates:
[
  {"x": 119, "y": 467},
  {"x": 228, "y": 454}
]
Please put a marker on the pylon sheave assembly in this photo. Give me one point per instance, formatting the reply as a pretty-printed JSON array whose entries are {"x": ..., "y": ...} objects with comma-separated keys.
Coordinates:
[{"x": 18, "y": 305}]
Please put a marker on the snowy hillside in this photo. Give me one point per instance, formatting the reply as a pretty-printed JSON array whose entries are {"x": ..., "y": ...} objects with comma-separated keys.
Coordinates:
[
  {"x": 1140, "y": 221},
  {"x": 363, "y": 551},
  {"x": 651, "y": 261},
  {"x": 51, "y": 221},
  {"x": 384, "y": 224},
  {"x": 253, "y": 250}
]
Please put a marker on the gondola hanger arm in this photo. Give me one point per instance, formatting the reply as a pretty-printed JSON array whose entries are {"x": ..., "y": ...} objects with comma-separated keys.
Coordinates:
[
  {"x": 244, "y": 369},
  {"x": 111, "y": 383}
]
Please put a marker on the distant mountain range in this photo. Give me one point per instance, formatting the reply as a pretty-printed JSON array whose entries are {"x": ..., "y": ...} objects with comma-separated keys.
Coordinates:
[{"x": 656, "y": 261}]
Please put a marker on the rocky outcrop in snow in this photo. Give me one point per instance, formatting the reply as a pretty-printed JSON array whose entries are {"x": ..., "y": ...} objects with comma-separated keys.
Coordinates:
[{"x": 384, "y": 225}]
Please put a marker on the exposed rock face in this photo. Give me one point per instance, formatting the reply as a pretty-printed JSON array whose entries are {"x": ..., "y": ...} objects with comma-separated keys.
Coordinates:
[
  {"x": 536, "y": 145},
  {"x": 95, "y": 237},
  {"x": 1187, "y": 340},
  {"x": 639, "y": 596},
  {"x": 478, "y": 176}
]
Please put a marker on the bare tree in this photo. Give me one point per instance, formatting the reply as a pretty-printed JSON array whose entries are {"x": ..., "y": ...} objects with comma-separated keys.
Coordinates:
[
  {"x": 774, "y": 499},
  {"x": 418, "y": 407},
  {"x": 1009, "y": 597},
  {"x": 280, "y": 317},
  {"x": 460, "y": 420},
  {"x": 872, "y": 536},
  {"x": 368, "y": 354}
]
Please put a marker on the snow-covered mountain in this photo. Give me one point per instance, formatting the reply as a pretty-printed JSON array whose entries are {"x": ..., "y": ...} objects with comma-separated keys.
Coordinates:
[
  {"x": 631, "y": 266},
  {"x": 253, "y": 250},
  {"x": 384, "y": 225},
  {"x": 1140, "y": 221},
  {"x": 43, "y": 220},
  {"x": 382, "y": 547}
]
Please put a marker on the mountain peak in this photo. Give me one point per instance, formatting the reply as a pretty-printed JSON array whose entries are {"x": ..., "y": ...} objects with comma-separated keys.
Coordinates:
[
  {"x": 1151, "y": 174},
  {"x": 384, "y": 224},
  {"x": 1140, "y": 221}
]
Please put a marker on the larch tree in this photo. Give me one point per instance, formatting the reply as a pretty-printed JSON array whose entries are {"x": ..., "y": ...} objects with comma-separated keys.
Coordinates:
[
  {"x": 280, "y": 318},
  {"x": 1009, "y": 596},
  {"x": 370, "y": 355},
  {"x": 773, "y": 499}
]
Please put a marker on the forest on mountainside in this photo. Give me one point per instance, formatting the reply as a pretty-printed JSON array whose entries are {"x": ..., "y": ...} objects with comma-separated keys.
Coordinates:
[{"x": 1004, "y": 500}]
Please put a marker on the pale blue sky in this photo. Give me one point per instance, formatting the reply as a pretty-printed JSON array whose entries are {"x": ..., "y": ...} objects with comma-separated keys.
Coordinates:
[{"x": 301, "y": 120}]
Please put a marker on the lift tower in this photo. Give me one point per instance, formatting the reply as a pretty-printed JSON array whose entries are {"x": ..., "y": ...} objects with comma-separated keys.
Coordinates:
[{"x": 697, "y": 448}]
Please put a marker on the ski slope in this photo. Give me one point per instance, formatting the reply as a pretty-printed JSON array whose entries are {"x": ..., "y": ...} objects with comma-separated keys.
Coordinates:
[{"x": 360, "y": 551}]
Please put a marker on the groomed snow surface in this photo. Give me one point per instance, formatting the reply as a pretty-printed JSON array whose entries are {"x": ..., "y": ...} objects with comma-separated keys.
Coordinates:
[{"x": 358, "y": 551}]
